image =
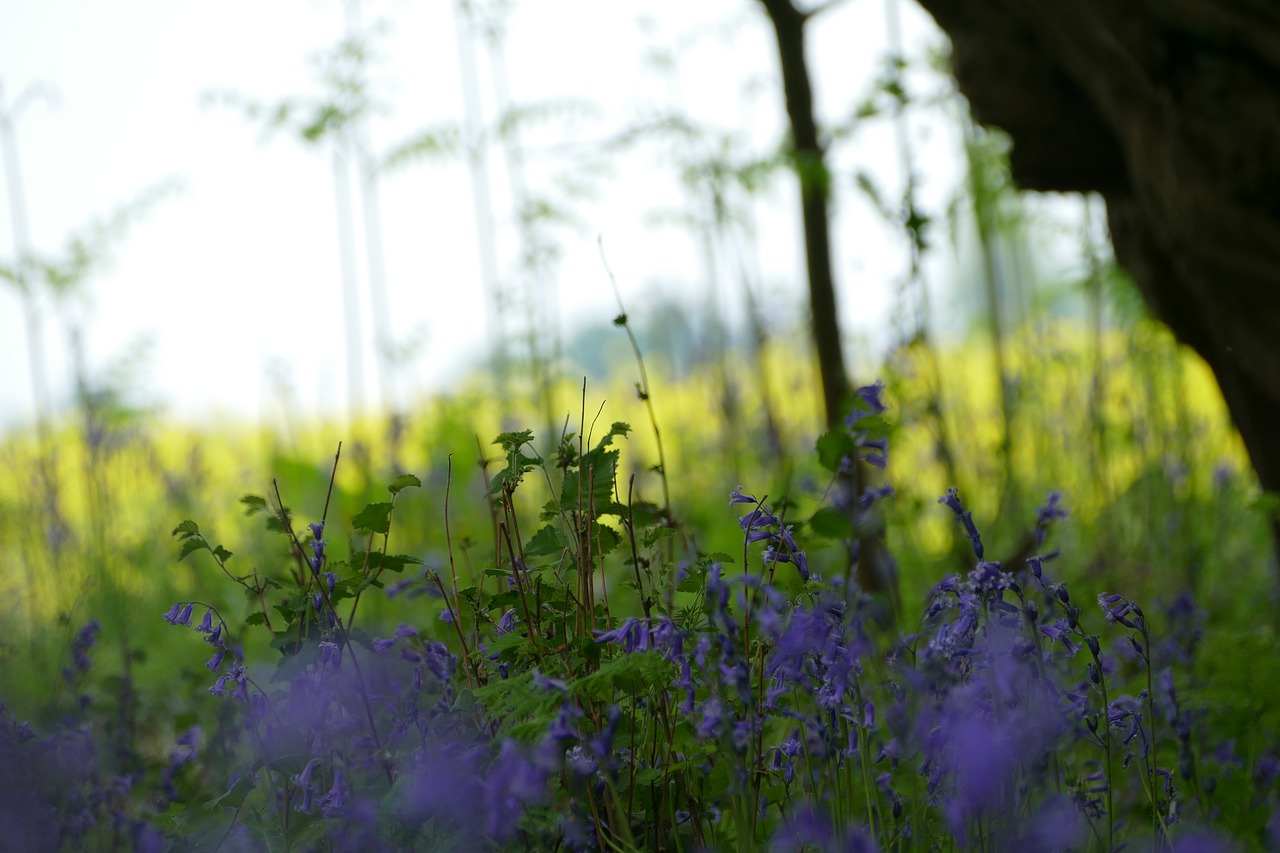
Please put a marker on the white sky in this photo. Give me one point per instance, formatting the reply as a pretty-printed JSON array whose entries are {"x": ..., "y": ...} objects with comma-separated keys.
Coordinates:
[{"x": 238, "y": 274}]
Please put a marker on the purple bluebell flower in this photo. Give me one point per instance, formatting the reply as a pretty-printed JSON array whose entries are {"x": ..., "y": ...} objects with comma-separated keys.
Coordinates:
[
  {"x": 708, "y": 725},
  {"x": 513, "y": 783},
  {"x": 1121, "y": 610},
  {"x": 550, "y": 685},
  {"x": 873, "y": 396},
  {"x": 806, "y": 828},
  {"x": 334, "y": 803},
  {"x": 601, "y": 745},
  {"x": 632, "y": 635},
  {"x": 80, "y": 646},
  {"x": 737, "y": 496},
  {"x": 874, "y": 451},
  {"x": 1051, "y": 511},
  {"x": 871, "y": 496},
  {"x": 440, "y": 661},
  {"x": 206, "y": 624},
  {"x": 507, "y": 623},
  {"x": 564, "y": 729},
  {"x": 952, "y": 501}
]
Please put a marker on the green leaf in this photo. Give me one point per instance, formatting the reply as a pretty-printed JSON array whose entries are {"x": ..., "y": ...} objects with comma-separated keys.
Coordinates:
[
  {"x": 599, "y": 467},
  {"x": 512, "y": 441},
  {"x": 604, "y": 539},
  {"x": 374, "y": 517},
  {"x": 256, "y": 618},
  {"x": 507, "y": 641},
  {"x": 389, "y": 562},
  {"x": 654, "y": 535},
  {"x": 253, "y": 504},
  {"x": 404, "y": 481},
  {"x": 547, "y": 542},
  {"x": 833, "y": 447},
  {"x": 190, "y": 546},
  {"x": 633, "y": 674},
  {"x": 186, "y": 528},
  {"x": 222, "y": 554}
]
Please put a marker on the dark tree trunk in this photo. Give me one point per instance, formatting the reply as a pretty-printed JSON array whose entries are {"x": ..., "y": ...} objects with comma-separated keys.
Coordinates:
[
  {"x": 875, "y": 572},
  {"x": 811, "y": 167},
  {"x": 1171, "y": 110}
]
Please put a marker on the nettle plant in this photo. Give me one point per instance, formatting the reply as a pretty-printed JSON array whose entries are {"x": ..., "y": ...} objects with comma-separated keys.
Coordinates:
[{"x": 594, "y": 692}]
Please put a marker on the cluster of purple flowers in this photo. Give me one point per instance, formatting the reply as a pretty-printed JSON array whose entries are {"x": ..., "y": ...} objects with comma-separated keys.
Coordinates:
[
  {"x": 741, "y": 714},
  {"x": 216, "y": 636},
  {"x": 761, "y": 525}
]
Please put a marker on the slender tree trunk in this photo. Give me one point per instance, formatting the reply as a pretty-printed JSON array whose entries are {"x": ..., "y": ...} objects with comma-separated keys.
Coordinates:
[
  {"x": 788, "y": 23},
  {"x": 874, "y": 567}
]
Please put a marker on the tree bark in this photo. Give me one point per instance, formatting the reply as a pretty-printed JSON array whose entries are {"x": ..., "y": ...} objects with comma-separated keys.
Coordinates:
[
  {"x": 811, "y": 168},
  {"x": 875, "y": 572},
  {"x": 1171, "y": 110}
]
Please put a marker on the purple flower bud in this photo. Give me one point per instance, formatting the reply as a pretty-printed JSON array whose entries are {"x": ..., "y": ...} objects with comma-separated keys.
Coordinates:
[
  {"x": 317, "y": 529},
  {"x": 185, "y": 617},
  {"x": 334, "y": 803},
  {"x": 206, "y": 624},
  {"x": 172, "y": 616}
]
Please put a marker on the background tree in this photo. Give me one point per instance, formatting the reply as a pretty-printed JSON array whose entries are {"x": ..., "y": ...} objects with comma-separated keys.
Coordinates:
[{"x": 874, "y": 568}]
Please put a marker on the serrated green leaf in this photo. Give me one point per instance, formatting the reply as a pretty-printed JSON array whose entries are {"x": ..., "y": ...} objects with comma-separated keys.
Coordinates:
[
  {"x": 654, "y": 535},
  {"x": 833, "y": 447},
  {"x": 506, "y": 641},
  {"x": 404, "y": 481},
  {"x": 513, "y": 440},
  {"x": 388, "y": 562},
  {"x": 547, "y": 542},
  {"x": 633, "y": 674},
  {"x": 374, "y": 517},
  {"x": 186, "y": 528},
  {"x": 222, "y": 553},
  {"x": 256, "y": 618},
  {"x": 604, "y": 539},
  {"x": 253, "y": 504},
  {"x": 190, "y": 546}
]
